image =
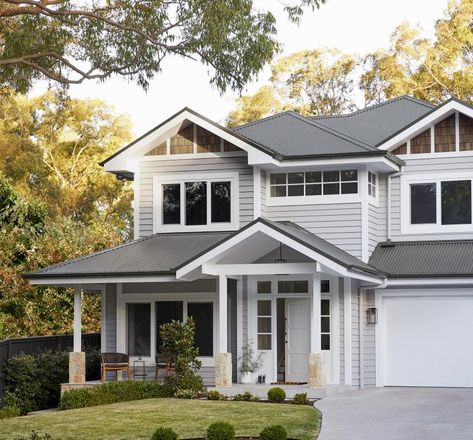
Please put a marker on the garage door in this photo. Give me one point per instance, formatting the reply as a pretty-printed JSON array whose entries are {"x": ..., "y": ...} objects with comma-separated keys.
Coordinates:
[{"x": 428, "y": 341}]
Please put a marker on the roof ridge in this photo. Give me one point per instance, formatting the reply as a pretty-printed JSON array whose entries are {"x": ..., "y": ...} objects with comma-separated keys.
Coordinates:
[
  {"x": 335, "y": 132},
  {"x": 260, "y": 121},
  {"x": 122, "y": 245},
  {"x": 375, "y": 106}
]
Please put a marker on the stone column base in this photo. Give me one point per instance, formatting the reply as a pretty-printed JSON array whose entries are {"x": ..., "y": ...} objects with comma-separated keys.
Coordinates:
[
  {"x": 317, "y": 370},
  {"x": 77, "y": 367},
  {"x": 223, "y": 369}
]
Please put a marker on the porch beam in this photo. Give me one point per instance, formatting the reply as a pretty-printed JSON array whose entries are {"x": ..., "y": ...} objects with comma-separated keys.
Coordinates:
[
  {"x": 77, "y": 340},
  {"x": 260, "y": 269}
]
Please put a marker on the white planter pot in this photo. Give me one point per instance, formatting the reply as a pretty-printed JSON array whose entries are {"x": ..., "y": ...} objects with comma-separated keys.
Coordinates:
[{"x": 246, "y": 378}]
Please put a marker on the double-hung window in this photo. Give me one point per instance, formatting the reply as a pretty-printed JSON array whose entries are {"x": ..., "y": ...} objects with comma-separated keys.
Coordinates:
[
  {"x": 439, "y": 205},
  {"x": 196, "y": 202}
]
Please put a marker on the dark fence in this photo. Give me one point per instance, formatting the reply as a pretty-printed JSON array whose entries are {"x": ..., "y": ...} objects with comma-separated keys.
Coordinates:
[{"x": 36, "y": 344}]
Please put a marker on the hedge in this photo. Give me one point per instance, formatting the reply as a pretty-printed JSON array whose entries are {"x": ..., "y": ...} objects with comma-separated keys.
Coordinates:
[{"x": 113, "y": 392}]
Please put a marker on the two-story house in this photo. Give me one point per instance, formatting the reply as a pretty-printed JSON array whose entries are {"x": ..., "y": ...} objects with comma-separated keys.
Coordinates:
[{"x": 342, "y": 246}]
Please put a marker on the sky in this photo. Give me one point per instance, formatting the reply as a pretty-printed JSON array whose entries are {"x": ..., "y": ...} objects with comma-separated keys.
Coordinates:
[{"x": 354, "y": 26}]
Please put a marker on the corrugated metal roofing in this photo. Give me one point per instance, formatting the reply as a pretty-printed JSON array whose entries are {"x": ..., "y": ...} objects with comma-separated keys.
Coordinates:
[
  {"x": 156, "y": 254},
  {"x": 376, "y": 123},
  {"x": 165, "y": 253},
  {"x": 292, "y": 135},
  {"x": 424, "y": 258}
]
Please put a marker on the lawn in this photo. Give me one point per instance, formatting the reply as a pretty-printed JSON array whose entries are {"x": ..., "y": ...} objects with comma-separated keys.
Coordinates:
[{"x": 189, "y": 418}]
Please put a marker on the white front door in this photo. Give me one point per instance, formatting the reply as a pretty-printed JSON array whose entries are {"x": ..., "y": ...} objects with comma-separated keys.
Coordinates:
[{"x": 297, "y": 339}]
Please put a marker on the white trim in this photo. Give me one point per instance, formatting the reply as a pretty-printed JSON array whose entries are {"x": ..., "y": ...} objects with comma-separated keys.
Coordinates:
[
  {"x": 276, "y": 235},
  {"x": 383, "y": 164},
  {"x": 347, "y": 335},
  {"x": 431, "y": 228},
  {"x": 181, "y": 178},
  {"x": 363, "y": 182},
  {"x": 432, "y": 139},
  {"x": 260, "y": 269},
  {"x": 103, "y": 318},
  {"x": 430, "y": 281},
  {"x": 192, "y": 156},
  {"x": 380, "y": 332},
  {"x": 439, "y": 155},
  {"x": 315, "y": 312},
  {"x": 431, "y": 119},
  {"x": 457, "y": 132},
  {"x": 256, "y": 192},
  {"x": 136, "y": 205},
  {"x": 335, "y": 329},
  {"x": 68, "y": 281}
]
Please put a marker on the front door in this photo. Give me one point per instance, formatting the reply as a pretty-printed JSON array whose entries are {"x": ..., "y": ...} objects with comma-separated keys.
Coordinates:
[{"x": 297, "y": 339}]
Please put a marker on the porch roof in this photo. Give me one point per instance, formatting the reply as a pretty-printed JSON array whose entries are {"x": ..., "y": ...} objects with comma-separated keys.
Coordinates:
[{"x": 166, "y": 253}]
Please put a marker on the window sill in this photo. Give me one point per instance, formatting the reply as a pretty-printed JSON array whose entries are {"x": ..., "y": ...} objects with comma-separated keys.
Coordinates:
[
  {"x": 198, "y": 228},
  {"x": 313, "y": 200},
  {"x": 436, "y": 229}
]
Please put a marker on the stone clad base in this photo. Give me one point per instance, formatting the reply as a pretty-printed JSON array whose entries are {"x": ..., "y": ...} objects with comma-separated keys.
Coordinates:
[
  {"x": 223, "y": 369},
  {"x": 317, "y": 370},
  {"x": 77, "y": 367}
]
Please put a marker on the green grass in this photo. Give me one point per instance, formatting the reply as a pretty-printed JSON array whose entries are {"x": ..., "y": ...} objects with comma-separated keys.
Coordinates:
[{"x": 189, "y": 418}]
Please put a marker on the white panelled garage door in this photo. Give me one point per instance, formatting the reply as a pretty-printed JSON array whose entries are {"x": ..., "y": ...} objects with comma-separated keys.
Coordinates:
[{"x": 428, "y": 341}]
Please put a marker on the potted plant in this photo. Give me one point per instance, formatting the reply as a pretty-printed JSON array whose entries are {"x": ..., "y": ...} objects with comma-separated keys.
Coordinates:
[{"x": 249, "y": 362}]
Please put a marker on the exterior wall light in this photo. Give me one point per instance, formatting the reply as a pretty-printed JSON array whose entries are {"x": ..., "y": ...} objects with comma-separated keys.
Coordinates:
[{"x": 372, "y": 315}]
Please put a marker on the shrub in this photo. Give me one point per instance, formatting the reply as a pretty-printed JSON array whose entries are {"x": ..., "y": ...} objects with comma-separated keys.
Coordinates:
[
  {"x": 177, "y": 339},
  {"x": 214, "y": 395},
  {"x": 164, "y": 434},
  {"x": 221, "y": 431},
  {"x": 274, "y": 432},
  {"x": 112, "y": 392},
  {"x": 245, "y": 397},
  {"x": 9, "y": 411},
  {"x": 33, "y": 382},
  {"x": 33, "y": 435},
  {"x": 300, "y": 399},
  {"x": 276, "y": 395},
  {"x": 186, "y": 394}
]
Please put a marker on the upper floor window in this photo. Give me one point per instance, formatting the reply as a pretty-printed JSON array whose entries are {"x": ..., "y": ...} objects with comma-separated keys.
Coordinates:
[
  {"x": 438, "y": 205},
  {"x": 191, "y": 204},
  {"x": 372, "y": 184},
  {"x": 313, "y": 183}
]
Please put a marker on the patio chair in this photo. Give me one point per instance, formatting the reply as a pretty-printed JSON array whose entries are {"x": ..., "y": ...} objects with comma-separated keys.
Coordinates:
[
  {"x": 165, "y": 362},
  {"x": 114, "y": 362}
]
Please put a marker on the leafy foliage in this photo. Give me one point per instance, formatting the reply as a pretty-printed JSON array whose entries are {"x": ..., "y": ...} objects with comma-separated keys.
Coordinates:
[
  {"x": 245, "y": 397},
  {"x": 50, "y": 147},
  {"x": 221, "y": 431},
  {"x": 249, "y": 362},
  {"x": 112, "y": 392},
  {"x": 9, "y": 411},
  {"x": 33, "y": 435},
  {"x": 274, "y": 432},
  {"x": 177, "y": 340},
  {"x": 300, "y": 399},
  {"x": 164, "y": 434},
  {"x": 32, "y": 382},
  {"x": 276, "y": 395},
  {"x": 326, "y": 81}
]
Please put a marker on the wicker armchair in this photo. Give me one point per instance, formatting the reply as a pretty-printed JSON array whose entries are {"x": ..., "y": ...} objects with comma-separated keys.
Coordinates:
[
  {"x": 165, "y": 362},
  {"x": 114, "y": 362}
]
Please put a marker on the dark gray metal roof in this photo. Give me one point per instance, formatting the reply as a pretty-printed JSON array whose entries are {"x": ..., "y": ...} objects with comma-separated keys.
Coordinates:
[
  {"x": 162, "y": 254},
  {"x": 376, "y": 123},
  {"x": 424, "y": 258},
  {"x": 292, "y": 135},
  {"x": 157, "y": 254}
]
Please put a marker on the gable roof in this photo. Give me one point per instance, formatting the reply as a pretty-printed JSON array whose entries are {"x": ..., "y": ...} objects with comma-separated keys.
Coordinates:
[
  {"x": 378, "y": 122},
  {"x": 166, "y": 253},
  {"x": 416, "y": 259}
]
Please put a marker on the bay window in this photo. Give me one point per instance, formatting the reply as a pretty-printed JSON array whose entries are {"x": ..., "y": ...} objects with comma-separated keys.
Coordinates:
[{"x": 194, "y": 203}]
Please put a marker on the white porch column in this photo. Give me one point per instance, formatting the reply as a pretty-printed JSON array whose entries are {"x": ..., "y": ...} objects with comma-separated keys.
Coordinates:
[
  {"x": 77, "y": 357},
  {"x": 223, "y": 360},
  {"x": 347, "y": 292},
  {"x": 316, "y": 357}
]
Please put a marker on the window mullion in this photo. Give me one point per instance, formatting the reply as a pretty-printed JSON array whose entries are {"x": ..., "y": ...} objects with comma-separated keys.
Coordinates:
[
  {"x": 209, "y": 207},
  {"x": 438, "y": 188},
  {"x": 183, "y": 203}
]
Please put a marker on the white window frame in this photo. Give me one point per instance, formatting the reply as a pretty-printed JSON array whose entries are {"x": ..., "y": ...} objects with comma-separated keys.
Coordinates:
[
  {"x": 373, "y": 186},
  {"x": 431, "y": 228},
  {"x": 181, "y": 179},
  {"x": 318, "y": 199}
]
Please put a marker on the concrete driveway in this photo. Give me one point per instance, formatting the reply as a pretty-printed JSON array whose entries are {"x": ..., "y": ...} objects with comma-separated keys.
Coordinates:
[{"x": 398, "y": 414}]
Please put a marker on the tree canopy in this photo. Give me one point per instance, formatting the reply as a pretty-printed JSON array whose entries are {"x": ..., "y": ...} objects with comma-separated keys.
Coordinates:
[
  {"x": 50, "y": 147},
  {"x": 326, "y": 81},
  {"x": 69, "y": 41}
]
